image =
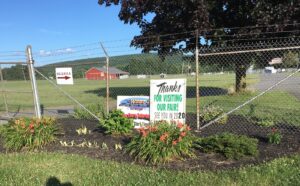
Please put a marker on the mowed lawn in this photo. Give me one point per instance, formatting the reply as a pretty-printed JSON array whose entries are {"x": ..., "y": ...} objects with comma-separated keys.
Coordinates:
[
  {"x": 38, "y": 168},
  {"x": 93, "y": 91},
  {"x": 213, "y": 90}
]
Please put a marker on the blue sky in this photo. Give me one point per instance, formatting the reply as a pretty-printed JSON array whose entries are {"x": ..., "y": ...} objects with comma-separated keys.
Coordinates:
[{"x": 49, "y": 25}]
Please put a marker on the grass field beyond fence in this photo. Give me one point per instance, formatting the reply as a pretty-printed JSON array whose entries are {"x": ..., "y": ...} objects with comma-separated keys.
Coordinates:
[{"x": 213, "y": 90}]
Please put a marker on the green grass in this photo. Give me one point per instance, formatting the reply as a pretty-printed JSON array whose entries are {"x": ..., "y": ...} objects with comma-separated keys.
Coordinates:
[
  {"x": 36, "y": 169},
  {"x": 281, "y": 104},
  {"x": 86, "y": 91}
]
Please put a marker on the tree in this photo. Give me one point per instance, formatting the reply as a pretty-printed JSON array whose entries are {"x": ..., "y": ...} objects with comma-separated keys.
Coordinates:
[
  {"x": 291, "y": 60},
  {"x": 177, "y": 19},
  {"x": 236, "y": 18},
  {"x": 16, "y": 72}
]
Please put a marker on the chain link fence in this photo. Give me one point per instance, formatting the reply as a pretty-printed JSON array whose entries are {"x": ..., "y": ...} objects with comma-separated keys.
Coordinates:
[
  {"x": 247, "y": 88},
  {"x": 16, "y": 89},
  {"x": 267, "y": 79}
]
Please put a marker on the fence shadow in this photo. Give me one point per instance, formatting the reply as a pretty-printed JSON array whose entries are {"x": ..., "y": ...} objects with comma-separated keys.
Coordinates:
[{"x": 145, "y": 91}]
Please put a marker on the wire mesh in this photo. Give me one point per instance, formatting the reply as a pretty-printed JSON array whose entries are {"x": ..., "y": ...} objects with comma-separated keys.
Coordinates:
[
  {"x": 15, "y": 86},
  {"x": 246, "y": 87},
  {"x": 267, "y": 79}
]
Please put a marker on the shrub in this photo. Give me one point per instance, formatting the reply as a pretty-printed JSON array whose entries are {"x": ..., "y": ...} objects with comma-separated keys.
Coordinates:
[
  {"x": 230, "y": 145},
  {"x": 29, "y": 133},
  {"x": 275, "y": 136},
  {"x": 212, "y": 112},
  {"x": 115, "y": 123},
  {"x": 96, "y": 109},
  {"x": 161, "y": 142}
]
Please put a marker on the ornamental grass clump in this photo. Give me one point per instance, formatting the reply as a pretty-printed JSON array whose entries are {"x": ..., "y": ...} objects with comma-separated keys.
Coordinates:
[
  {"x": 29, "y": 133},
  {"x": 162, "y": 142},
  {"x": 210, "y": 113}
]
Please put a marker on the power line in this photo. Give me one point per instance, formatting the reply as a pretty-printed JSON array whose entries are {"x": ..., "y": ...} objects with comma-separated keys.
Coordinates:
[
  {"x": 205, "y": 30},
  {"x": 68, "y": 53}
]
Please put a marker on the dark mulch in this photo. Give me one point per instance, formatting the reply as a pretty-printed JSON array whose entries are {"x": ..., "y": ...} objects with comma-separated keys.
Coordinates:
[{"x": 290, "y": 144}]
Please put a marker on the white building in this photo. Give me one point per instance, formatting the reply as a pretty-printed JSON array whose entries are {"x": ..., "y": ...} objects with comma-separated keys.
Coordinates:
[{"x": 270, "y": 69}]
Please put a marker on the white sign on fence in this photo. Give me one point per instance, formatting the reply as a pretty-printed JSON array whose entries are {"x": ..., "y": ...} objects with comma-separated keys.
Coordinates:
[
  {"x": 136, "y": 107},
  {"x": 64, "y": 76},
  {"x": 168, "y": 100}
]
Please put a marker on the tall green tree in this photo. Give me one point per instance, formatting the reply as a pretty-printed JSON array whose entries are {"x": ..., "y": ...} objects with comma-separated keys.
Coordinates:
[{"x": 177, "y": 19}]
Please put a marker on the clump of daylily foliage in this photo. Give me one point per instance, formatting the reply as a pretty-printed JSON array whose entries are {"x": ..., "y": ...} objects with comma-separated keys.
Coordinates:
[
  {"x": 29, "y": 133},
  {"x": 162, "y": 142}
]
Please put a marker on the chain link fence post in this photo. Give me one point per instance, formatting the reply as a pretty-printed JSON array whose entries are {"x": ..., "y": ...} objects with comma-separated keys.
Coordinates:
[
  {"x": 36, "y": 101},
  {"x": 107, "y": 78},
  {"x": 197, "y": 80}
]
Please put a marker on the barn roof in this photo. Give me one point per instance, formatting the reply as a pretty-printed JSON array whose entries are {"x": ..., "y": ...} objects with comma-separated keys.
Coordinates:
[{"x": 112, "y": 70}]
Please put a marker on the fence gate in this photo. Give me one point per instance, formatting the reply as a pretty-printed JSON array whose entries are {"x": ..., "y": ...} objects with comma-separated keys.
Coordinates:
[{"x": 19, "y": 95}]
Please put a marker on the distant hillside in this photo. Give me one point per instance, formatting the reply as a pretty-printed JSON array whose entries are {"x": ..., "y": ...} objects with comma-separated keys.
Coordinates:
[
  {"x": 122, "y": 62},
  {"x": 140, "y": 64},
  {"x": 134, "y": 64}
]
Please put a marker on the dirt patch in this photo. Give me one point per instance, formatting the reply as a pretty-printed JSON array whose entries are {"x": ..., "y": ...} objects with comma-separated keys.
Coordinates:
[{"x": 290, "y": 145}]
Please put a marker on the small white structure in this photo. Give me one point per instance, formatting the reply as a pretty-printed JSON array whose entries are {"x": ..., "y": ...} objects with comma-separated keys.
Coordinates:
[
  {"x": 124, "y": 77},
  {"x": 193, "y": 73},
  {"x": 270, "y": 70},
  {"x": 141, "y": 76},
  {"x": 275, "y": 61}
]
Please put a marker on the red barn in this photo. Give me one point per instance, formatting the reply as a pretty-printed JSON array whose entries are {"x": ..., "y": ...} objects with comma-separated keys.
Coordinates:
[{"x": 100, "y": 73}]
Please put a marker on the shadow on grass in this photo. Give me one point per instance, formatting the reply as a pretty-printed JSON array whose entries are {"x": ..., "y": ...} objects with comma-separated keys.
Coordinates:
[
  {"x": 53, "y": 181},
  {"x": 145, "y": 91}
]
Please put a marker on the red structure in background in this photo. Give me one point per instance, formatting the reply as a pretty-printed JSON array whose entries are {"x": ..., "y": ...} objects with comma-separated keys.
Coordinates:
[{"x": 100, "y": 73}]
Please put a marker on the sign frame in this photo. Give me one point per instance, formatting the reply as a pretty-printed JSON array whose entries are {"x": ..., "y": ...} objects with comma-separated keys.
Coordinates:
[{"x": 168, "y": 100}]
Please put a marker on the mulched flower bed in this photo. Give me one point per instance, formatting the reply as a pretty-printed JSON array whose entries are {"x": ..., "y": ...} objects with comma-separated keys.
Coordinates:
[{"x": 290, "y": 144}]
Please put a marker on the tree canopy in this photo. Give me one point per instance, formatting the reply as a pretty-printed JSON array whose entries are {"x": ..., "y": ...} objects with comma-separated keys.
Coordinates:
[
  {"x": 235, "y": 17},
  {"x": 223, "y": 22}
]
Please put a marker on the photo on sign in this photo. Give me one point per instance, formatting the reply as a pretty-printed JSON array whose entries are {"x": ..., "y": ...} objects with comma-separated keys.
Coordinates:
[
  {"x": 64, "y": 76},
  {"x": 136, "y": 107}
]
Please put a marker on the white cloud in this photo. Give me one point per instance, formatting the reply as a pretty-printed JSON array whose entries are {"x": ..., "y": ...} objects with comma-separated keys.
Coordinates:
[
  {"x": 45, "y": 53},
  {"x": 51, "y": 32},
  {"x": 56, "y": 52}
]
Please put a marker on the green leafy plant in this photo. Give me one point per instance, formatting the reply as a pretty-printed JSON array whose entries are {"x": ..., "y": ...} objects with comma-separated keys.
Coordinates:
[
  {"x": 275, "y": 136},
  {"x": 263, "y": 119},
  {"x": 212, "y": 112},
  {"x": 230, "y": 145},
  {"x": 96, "y": 109},
  {"x": 161, "y": 142},
  {"x": 83, "y": 131},
  {"x": 265, "y": 122},
  {"x": 116, "y": 123},
  {"x": 29, "y": 133}
]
